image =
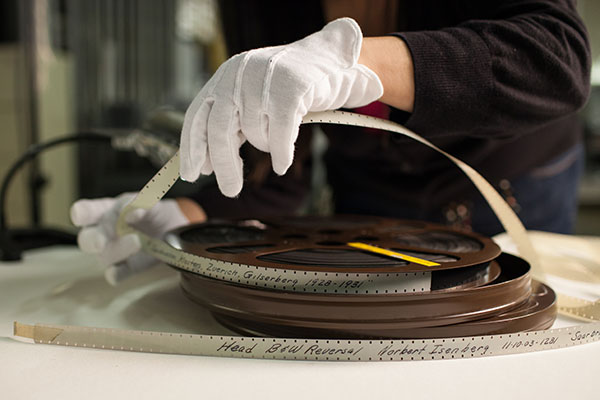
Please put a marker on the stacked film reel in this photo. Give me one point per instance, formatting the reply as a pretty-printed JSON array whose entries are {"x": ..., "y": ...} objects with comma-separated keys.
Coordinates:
[{"x": 299, "y": 277}]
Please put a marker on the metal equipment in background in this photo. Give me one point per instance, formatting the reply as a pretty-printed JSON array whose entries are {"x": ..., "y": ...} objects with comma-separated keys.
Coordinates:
[{"x": 132, "y": 56}]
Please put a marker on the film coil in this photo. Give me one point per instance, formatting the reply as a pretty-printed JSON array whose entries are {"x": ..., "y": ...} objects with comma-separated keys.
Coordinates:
[
  {"x": 475, "y": 290},
  {"x": 528, "y": 306}
]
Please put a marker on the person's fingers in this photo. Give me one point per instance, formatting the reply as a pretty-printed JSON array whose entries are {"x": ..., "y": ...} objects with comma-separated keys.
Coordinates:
[
  {"x": 120, "y": 249},
  {"x": 283, "y": 132},
  {"x": 108, "y": 222},
  {"x": 91, "y": 240},
  {"x": 86, "y": 212},
  {"x": 140, "y": 262},
  {"x": 194, "y": 147},
  {"x": 95, "y": 239},
  {"x": 255, "y": 128},
  {"x": 207, "y": 168},
  {"x": 135, "y": 216},
  {"x": 115, "y": 274},
  {"x": 254, "y": 95},
  {"x": 224, "y": 141}
]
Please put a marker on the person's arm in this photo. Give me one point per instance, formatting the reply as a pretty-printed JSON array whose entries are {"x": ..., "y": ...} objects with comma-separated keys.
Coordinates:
[
  {"x": 191, "y": 210},
  {"x": 390, "y": 59},
  {"x": 523, "y": 65}
]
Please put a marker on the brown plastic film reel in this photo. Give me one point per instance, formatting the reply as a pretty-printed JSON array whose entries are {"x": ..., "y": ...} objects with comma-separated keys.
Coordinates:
[
  {"x": 466, "y": 287},
  {"x": 537, "y": 313},
  {"x": 319, "y": 244},
  {"x": 382, "y": 315}
]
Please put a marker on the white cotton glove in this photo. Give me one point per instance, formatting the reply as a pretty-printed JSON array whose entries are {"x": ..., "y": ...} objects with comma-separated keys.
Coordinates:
[
  {"x": 261, "y": 96},
  {"x": 122, "y": 255}
]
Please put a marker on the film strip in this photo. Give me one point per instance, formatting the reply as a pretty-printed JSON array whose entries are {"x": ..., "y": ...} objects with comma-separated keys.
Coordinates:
[
  {"x": 313, "y": 254},
  {"x": 221, "y": 271},
  {"x": 309, "y": 349}
]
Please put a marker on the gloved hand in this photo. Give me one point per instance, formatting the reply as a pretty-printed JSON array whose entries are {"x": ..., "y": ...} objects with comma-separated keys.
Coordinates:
[
  {"x": 122, "y": 255},
  {"x": 261, "y": 96}
]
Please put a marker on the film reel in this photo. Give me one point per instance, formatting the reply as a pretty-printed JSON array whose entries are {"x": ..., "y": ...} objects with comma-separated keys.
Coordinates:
[
  {"x": 311, "y": 254},
  {"x": 472, "y": 284},
  {"x": 537, "y": 313}
]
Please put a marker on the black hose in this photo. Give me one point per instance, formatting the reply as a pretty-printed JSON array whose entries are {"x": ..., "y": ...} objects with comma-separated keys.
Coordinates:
[{"x": 10, "y": 250}]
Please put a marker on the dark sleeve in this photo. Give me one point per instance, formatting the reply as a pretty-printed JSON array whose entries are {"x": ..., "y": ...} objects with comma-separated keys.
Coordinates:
[
  {"x": 266, "y": 195},
  {"x": 525, "y": 64},
  {"x": 277, "y": 196}
]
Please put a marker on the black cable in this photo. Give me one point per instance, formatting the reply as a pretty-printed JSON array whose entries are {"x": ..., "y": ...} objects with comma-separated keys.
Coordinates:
[{"x": 10, "y": 250}]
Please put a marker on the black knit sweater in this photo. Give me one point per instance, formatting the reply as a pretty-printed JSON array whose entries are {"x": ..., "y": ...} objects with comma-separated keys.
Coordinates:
[{"x": 497, "y": 84}]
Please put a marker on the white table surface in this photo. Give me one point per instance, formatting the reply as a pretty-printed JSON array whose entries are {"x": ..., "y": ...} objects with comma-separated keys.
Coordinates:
[{"x": 63, "y": 286}]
